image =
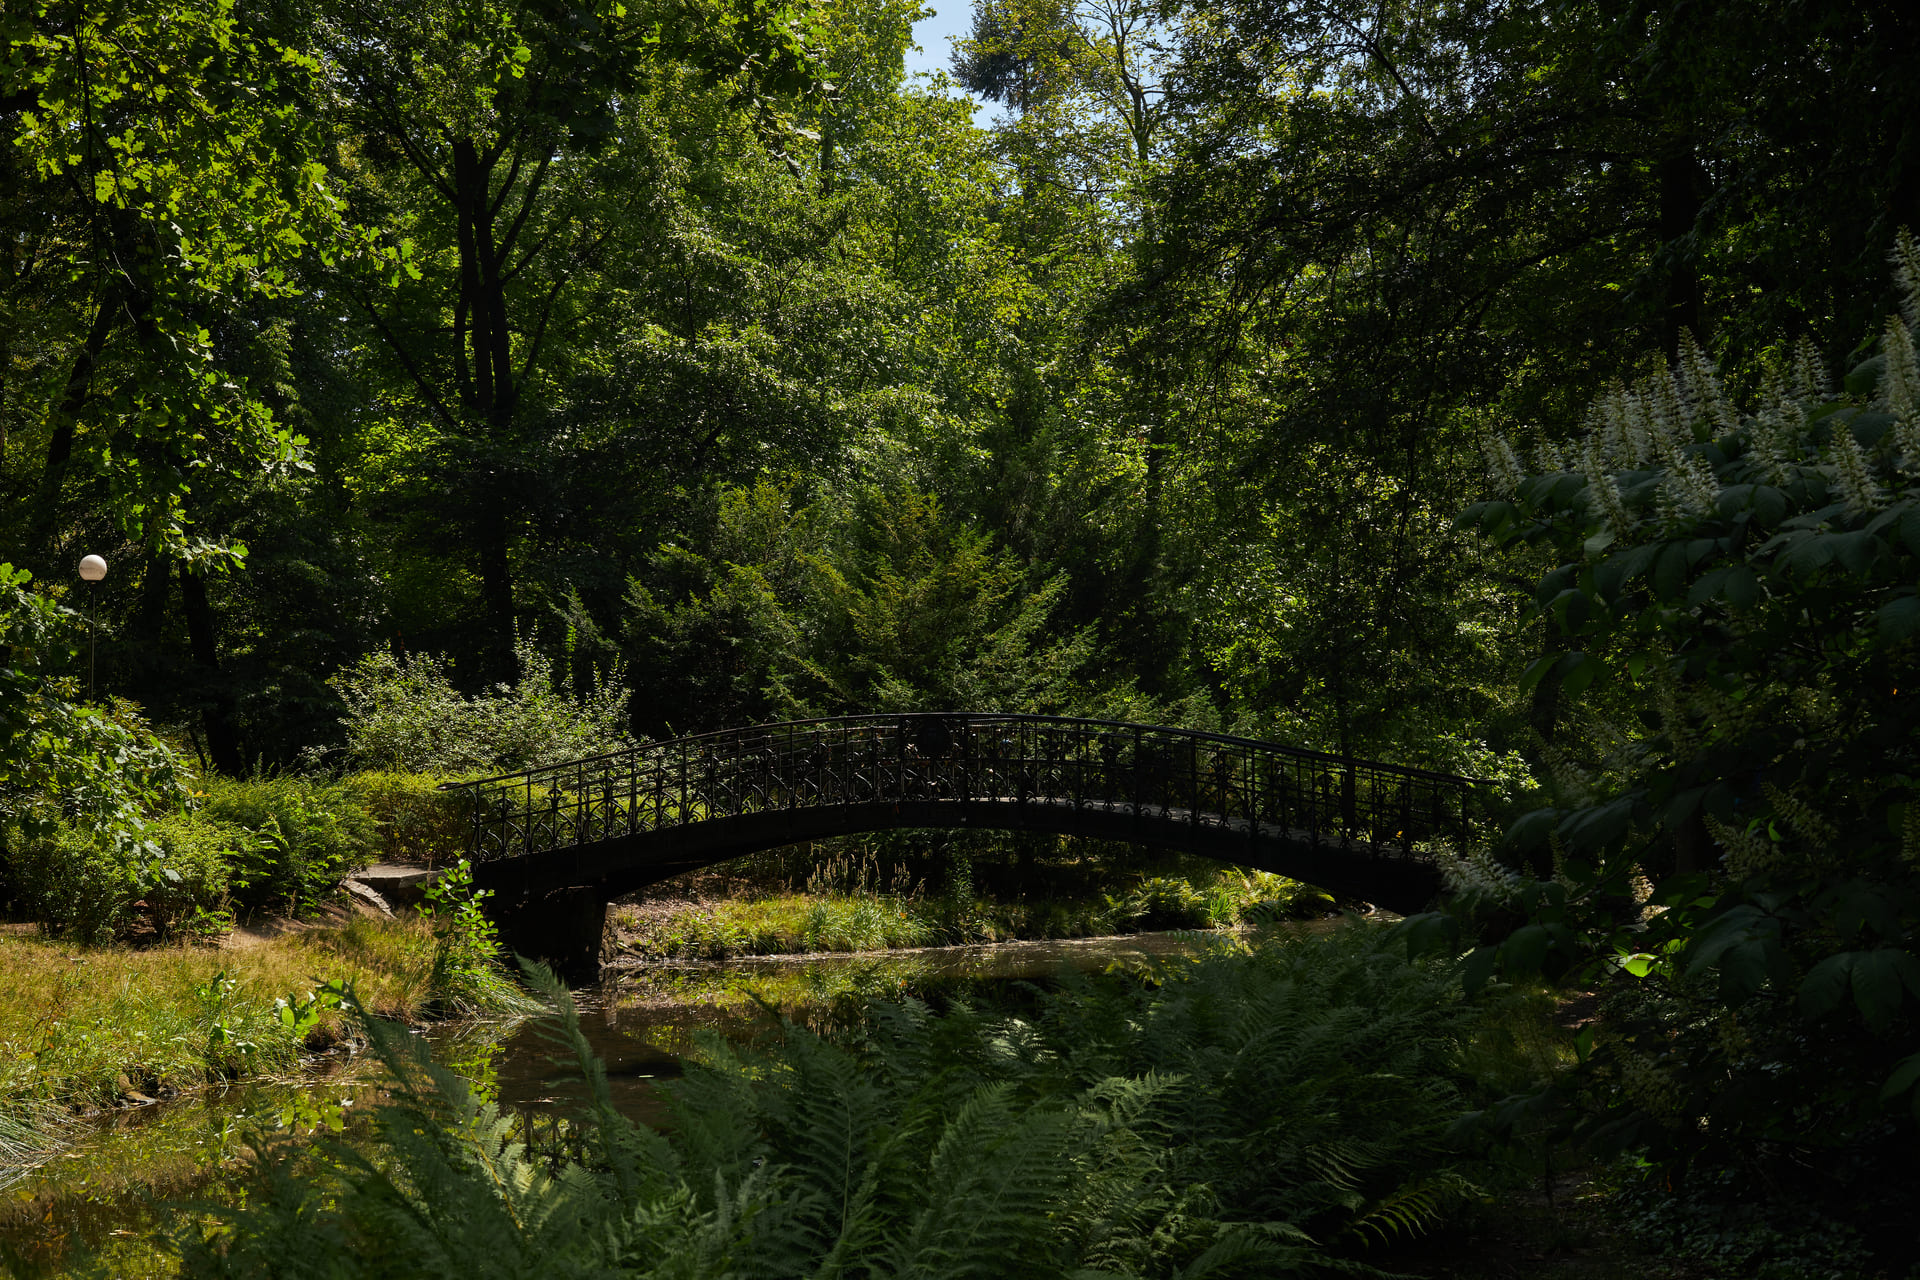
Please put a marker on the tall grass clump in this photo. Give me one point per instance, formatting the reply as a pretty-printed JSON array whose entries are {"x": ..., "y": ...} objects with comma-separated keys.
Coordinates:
[
  {"x": 30, "y": 1135},
  {"x": 1245, "y": 1115}
]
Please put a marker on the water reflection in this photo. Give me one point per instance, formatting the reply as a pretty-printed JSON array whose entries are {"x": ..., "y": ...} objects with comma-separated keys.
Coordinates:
[
  {"x": 643, "y": 1021},
  {"x": 109, "y": 1191}
]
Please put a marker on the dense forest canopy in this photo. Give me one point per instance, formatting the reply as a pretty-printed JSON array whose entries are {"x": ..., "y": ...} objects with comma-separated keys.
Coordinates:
[
  {"x": 694, "y": 336},
  {"x": 1524, "y": 390}
]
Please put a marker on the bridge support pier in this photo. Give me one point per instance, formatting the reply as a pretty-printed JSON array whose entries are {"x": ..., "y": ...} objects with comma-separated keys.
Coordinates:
[{"x": 567, "y": 928}]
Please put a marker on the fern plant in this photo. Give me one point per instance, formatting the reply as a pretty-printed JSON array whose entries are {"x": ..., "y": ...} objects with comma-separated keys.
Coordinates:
[{"x": 1246, "y": 1115}]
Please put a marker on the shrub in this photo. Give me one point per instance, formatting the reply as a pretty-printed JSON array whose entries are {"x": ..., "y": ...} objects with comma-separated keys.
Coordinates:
[
  {"x": 307, "y": 836},
  {"x": 75, "y": 884},
  {"x": 187, "y": 884},
  {"x": 467, "y": 955},
  {"x": 1164, "y": 902},
  {"x": 416, "y": 821},
  {"x": 61, "y": 760},
  {"x": 1736, "y": 584},
  {"x": 92, "y": 887},
  {"x": 407, "y": 715}
]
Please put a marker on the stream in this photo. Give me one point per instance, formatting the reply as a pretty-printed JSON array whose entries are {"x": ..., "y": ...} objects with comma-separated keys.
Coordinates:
[{"x": 121, "y": 1179}]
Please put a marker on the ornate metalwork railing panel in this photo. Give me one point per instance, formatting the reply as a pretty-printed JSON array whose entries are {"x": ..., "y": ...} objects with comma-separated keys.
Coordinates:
[{"x": 1150, "y": 772}]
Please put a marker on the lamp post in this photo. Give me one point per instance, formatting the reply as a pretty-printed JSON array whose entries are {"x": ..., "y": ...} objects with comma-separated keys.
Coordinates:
[{"x": 92, "y": 569}]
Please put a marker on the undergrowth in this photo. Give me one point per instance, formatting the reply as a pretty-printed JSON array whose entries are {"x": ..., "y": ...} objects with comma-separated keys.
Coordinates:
[
  {"x": 1243, "y": 1115},
  {"x": 83, "y": 1029},
  {"x": 846, "y": 907}
]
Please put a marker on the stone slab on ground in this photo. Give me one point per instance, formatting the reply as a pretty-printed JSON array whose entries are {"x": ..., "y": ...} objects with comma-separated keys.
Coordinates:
[{"x": 398, "y": 884}]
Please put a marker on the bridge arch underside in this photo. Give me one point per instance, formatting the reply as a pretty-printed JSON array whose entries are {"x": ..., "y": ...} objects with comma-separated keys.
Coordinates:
[{"x": 620, "y": 865}]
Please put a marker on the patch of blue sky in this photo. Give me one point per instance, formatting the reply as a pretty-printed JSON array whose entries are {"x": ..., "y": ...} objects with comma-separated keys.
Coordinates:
[{"x": 934, "y": 34}]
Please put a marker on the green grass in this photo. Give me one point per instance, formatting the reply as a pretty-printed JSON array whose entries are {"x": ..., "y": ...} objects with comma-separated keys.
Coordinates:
[
  {"x": 860, "y": 917},
  {"x": 82, "y": 1027}
]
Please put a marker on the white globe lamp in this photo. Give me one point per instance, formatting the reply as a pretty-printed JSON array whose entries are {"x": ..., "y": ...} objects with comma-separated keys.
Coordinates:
[{"x": 92, "y": 569}]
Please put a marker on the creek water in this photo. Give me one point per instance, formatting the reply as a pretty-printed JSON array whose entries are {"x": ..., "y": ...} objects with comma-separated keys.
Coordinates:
[{"x": 127, "y": 1174}]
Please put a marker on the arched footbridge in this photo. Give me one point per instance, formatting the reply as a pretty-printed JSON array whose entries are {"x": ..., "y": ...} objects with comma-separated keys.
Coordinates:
[{"x": 556, "y": 844}]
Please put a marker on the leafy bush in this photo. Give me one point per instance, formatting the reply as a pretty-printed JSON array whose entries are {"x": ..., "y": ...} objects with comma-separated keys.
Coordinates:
[
  {"x": 91, "y": 887},
  {"x": 60, "y": 760},
  {"x": 1162, "y": 902},
  {"x": 1242, "y": 1116},
  {"x": 75, "y": 884},
  {"x": 188, "y": 883},
  {"x": 407, "y": 715},
  {"x": 416, "y": 820},
  {"x": 307, "y": 836},
  {"x": 467, "y": 954},
  {"x": 1740, "y": 582}
]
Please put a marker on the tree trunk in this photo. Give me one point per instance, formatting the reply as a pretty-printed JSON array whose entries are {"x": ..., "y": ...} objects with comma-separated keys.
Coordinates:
[
  {"x": 223, "y": 742},
  {"x": 489, "y": 397},
  {"x": 1679, "y": 176},
  {"x": 79, "y": 389}
]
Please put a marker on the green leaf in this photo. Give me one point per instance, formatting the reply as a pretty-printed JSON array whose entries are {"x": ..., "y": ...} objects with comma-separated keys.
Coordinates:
[
  {"x": 1906, "y": 1074},
  {"x": 1598, "y": 827},
  {"x": 1524, "y": 952},
  {"x": 1428, "y": 933},
  {"x": 1532, "y": 829},
  {"x": 1743, "y": 970},
  {"x": 1639, "y": 964},
  {"x": 1571, "y": 609},
  {"x": 1723, "y": 932},
  {"x": 1856, "y": 551},
  {"x": 1537, "y": 671},
  {"x": 1877, "y": 979},
  {"x": 1742, "y": 589},
  {"x": 1577, "y": 671},
  {"x": 1555, "y": 582},
  {"x": 1478, "y": 969},
  {"x": 1611, "y": 575},
  {"x": 1809, "y": 554},
  {"x": 1706, "y": 587},
  {"x": 1898, "y": 618},
  {"x": 1769, "y": 505},
  {"x": 1822, "y": 990},
  {"x": 1910, "y": 530},
  {"x": 1474, "y": 517},
  {"x": 1670, "y": 571}
]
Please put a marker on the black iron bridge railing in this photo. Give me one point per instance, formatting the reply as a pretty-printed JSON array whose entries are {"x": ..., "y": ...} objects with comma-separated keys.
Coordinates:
[{"x": 974, "y": 766}]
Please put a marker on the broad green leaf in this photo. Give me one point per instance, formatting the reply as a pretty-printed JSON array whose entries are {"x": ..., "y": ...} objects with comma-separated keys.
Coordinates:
[
  {"x": 1670, "y": 571},
  {"x": 1531, "y": 830},
  {"x": 1523, "y": 953},
  {"x": 1877, "y": 979},
  {"x": 1898, "y": 618},
  {"x": 1737, "y": 925},
  {"x": 1743, "y": 970},
  {"x": 1826, "y": 985},
  {"x": 1477, "y": 969},
  {"x": 1906, "y": 1074}
]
